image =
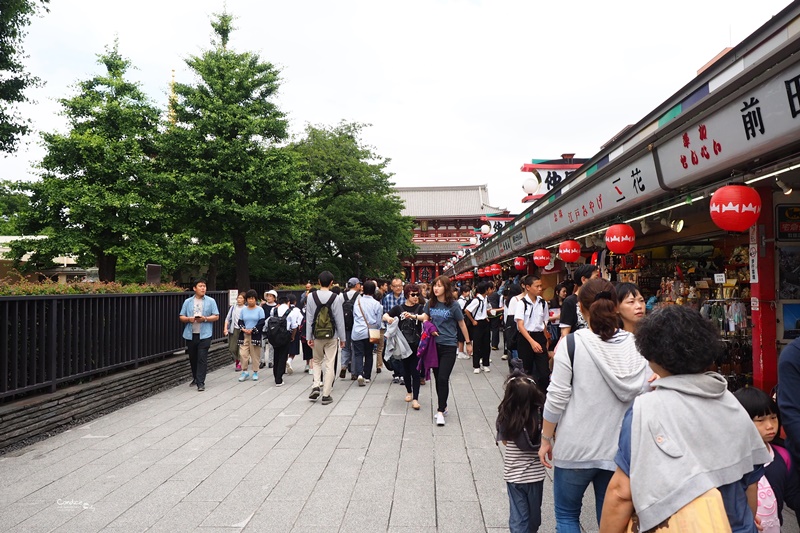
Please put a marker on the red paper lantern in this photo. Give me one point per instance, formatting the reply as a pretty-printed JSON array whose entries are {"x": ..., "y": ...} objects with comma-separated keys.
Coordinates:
[
  {"x": 569, "y": 251},
  {"x": 735, "y": 207},
  {"x": 620, "y": 238},
  {"x": 520, "y": 263},
  {"x": 495, "y": 270},
  {"x": 480, "y": 273},
  {"x": 541, "y": 257},
  {"x": 469, "y": 274}
]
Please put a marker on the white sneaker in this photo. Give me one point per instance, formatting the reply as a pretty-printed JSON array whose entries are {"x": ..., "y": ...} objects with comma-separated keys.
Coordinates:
[
  {"x": 476, "y": 371},
  {"x": 439, "y": 419},
  {"x": 289, "y": 369},
  {"x": 361, "y": 381},
  {"x": 463, "y": 355},
  {"x": 504, "y": 357},
  {"x": 487, "y": 369}
]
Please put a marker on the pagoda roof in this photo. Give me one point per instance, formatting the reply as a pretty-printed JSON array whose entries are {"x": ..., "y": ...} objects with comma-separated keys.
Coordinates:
[{"x": 459, "y": 201}]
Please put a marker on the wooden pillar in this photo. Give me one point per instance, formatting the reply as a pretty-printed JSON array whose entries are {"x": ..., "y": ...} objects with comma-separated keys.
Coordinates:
[
  {"x": 413, "y": 273},
  {"x": 765, "y": 352}
]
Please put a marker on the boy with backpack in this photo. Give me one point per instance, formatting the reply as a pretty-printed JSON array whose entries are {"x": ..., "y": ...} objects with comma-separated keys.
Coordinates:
[
  {"x": 325, "y": 333},
  {"x": 348, "y": 306},
  {"x": 280, "y": 330}
]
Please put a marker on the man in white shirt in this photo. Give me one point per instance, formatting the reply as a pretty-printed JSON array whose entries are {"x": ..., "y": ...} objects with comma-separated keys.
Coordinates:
[
  {"x": 477, "y": 320},
  {"x": 462, "y": 303},
  {"x": 531, "y": 315}
]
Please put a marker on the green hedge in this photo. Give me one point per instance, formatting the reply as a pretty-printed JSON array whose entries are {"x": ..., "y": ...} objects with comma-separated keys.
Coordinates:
[{"x": 30, "y": 288}]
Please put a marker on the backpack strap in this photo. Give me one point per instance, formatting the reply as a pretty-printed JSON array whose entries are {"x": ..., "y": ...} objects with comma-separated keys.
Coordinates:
[
  {"x": 784, "y": 453},
  {"x": 571, "y": 354},
  {"x": 287, "y": 312}
]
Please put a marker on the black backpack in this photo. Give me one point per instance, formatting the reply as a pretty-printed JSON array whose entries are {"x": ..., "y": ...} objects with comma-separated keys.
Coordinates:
[
  {"x": 276, "y": 330},
  {"x": 348, "y": 307}
]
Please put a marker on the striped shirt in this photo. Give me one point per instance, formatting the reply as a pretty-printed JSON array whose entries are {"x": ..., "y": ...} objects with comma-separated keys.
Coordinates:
[{"x": 520, "y": 466}]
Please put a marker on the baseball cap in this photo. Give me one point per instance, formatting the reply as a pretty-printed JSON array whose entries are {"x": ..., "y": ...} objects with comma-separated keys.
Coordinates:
[
  {"x": 274, "y": 293},
  {"x": 352, "y": 282}
]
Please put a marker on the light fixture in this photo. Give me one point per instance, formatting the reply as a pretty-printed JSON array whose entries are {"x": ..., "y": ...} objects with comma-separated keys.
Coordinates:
[
  {"x": 769, "y": 175},
  {"x": 645, "y": 226},
  {"x": 589, "y": 242},
  {"x": 674, "y": 225},
  {"x": 785, "y": 188}
]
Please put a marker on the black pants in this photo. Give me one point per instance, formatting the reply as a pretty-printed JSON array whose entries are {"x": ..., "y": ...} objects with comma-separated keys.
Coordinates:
[
  {"x": 198, "y": 357},
  {"x": 536, "y": 365},
  {"x": 279, "y": 367},
  {"x": 410, "y": 372},
  {"x": 447, "y": 360},
  {"x": 481, "y": 349},
  {"x": 495, "y": 325}
]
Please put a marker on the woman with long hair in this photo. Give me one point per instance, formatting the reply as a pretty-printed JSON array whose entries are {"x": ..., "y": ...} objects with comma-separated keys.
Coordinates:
[
  {"x": 597, "y": 373},
  {"x": 446, "y": 315}
]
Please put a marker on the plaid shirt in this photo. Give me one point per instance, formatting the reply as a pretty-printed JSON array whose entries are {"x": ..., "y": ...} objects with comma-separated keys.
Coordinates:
[{"x": 389, "y": 301}]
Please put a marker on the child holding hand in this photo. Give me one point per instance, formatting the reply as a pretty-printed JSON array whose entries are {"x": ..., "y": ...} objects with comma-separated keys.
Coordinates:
[{"x": 519, "y": 428}]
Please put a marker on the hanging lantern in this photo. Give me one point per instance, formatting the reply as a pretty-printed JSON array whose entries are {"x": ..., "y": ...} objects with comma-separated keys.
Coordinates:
[
  {"x": 473, "y": 241},
  {"x": 469, "y": 274},
  {"x": 735, "y": 207},
  {"x": 569, "y": 251},
  {"x": 495, "y": 270},
  {"x": 541, "y": 257},
  {"x": 480, "y": 272},
  {"x": 620, "y": 238},
  {"x": 520, "y": 263}
]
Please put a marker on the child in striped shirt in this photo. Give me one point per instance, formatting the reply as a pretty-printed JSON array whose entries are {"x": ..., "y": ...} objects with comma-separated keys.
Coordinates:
[{"x": 519, "y": 427}]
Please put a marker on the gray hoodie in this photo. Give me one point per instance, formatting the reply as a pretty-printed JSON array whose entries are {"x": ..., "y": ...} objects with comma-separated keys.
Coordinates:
[
  {"x": 688, "y": 436},
  {"x": 589, "y": 399}
]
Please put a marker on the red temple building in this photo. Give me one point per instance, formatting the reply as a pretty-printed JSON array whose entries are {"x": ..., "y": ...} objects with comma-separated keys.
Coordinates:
[{"x": 445, "y": 219}]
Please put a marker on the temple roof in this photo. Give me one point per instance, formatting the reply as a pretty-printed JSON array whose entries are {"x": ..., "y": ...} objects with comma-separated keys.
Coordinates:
[{"x": 446, "y": 202}]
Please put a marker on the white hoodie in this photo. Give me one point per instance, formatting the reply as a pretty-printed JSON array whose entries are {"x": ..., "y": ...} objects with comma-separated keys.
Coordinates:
[{"x": 589, "y": 399}]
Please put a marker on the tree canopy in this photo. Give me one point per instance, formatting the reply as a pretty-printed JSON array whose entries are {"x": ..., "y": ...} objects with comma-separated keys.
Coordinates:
[
  {"x": 15, "y": 16},
  {"x": 96, "y": 198}
]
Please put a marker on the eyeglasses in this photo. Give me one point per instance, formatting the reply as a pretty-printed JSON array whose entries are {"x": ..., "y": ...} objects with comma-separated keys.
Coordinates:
[{"x": 410, "y": 294}]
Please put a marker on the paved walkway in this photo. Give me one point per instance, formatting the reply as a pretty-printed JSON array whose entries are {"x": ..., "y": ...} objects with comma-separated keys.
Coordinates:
[{"x": 252, "y": 457}]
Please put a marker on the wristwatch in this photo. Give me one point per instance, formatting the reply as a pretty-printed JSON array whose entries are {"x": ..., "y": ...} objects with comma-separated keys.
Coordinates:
[{"x": 467, "y": 342}]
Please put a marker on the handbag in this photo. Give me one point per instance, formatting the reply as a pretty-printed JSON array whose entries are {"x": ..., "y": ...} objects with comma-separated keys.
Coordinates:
[
  {"x": 374, "y": 334},
  {"x": 705, "y": 513}
]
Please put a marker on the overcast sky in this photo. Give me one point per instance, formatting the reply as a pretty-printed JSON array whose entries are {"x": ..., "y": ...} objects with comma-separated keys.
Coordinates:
[{"x": 457, "y": 91}]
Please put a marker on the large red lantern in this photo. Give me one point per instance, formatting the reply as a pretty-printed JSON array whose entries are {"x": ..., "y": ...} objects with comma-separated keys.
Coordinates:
[
  {"x": 569, "y": 251},
  {"x": 541, "y": 257},
  {"x": 735, "y": 207},
  {"x": 468, "y": 274},
  {"x": 620, "y": 238},
  {"x": 495, "y": 270},
  {"x": 481, "y": 273},
  {"x": 520, "y": 263}
]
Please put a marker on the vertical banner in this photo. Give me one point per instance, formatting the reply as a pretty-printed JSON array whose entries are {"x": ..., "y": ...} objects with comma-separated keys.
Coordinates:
[
  {"x": 232, "y": 294},
  {"x": 753, "y": 254}
]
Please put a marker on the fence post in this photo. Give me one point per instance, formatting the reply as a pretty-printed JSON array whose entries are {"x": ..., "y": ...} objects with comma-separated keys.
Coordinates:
[
  {"x": 52, "y": 344},
  {"x": 136, "y": 330}
]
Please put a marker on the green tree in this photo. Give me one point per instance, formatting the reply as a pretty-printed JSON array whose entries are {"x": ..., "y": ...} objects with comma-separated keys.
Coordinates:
[
  {"x": 12, "y": 202},
  {"x": 97, "y": 198},
  {"x": 233, "y": 181},
  {"x": 357, "y": 223},
  {"x": 15, "y": 16}
]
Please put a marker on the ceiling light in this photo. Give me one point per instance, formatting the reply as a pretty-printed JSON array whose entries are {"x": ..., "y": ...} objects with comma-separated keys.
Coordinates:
[
  {"x": 769, "y": 175},
  {"x": 674, "y": 225},
  {"x": 645, "y": 226},
  {"x": 785, "y": 188}
]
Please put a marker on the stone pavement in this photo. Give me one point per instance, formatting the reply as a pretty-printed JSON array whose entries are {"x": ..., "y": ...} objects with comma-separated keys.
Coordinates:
[{"x": 252, "y": 457}]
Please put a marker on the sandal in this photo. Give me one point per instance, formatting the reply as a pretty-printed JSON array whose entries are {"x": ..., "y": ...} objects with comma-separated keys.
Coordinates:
[
  {"x": 415, "y": 405},
  {"x": 409, "y": 397}
]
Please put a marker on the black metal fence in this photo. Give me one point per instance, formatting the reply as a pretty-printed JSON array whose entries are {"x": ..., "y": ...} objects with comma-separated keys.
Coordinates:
[{"x": 47, "y": 341}]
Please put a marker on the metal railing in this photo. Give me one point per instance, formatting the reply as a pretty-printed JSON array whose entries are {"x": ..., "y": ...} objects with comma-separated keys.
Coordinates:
[{"x": 47, "y": 341}]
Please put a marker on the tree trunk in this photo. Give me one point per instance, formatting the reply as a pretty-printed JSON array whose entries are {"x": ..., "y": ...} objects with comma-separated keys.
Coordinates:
[
  {"x": 241, "y": 257},
  {"x": 107, "y": 267},
  {"x": 213, "y": 267}
]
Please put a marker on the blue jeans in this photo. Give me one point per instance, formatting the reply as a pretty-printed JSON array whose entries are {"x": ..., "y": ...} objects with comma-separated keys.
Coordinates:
[
  {"x": 569, "y": 484},
  {"x": 525, "y": 503}
]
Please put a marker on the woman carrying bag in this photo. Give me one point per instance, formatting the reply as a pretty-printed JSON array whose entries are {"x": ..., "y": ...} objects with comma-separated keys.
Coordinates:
[{"x": 231, "y": 329}]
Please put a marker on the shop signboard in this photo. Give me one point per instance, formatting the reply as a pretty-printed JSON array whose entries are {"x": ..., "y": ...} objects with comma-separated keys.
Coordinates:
[
  {"x": 761, "y": 119},
  {"x": 519, "y": 240},
  {"x": 787, "y": 217},
  {"x": 753, "y": 254},
  {"x": 626, "y": 187}
]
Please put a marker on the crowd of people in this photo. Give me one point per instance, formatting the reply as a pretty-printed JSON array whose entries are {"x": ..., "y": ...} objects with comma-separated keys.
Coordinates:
[{"x": 597, "y": 391}]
